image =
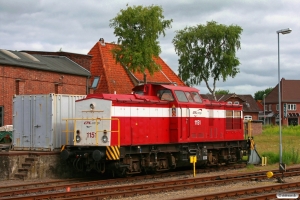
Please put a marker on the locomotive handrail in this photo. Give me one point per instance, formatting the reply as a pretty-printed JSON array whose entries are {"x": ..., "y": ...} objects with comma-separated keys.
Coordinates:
[
  {"x": 92, "y": 111},
  {"x": 67, "y": 131}
]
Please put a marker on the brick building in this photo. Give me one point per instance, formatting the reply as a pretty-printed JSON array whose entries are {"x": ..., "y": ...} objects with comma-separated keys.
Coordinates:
[
  {"x": 250, "y": 107},
  {"x": 23, "y": 73},
  {"x": 251, "y": 110},
  {"x": 290, "y": 103}
]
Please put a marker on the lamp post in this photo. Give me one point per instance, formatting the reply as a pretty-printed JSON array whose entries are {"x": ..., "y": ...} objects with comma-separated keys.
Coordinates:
[
  {"x": 281, "y": 165},
  {"x": 264, "y": 109}
]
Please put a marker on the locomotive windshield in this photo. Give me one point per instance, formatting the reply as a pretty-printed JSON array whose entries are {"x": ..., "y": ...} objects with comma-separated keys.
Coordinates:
[{"x": 188, "y": 96}]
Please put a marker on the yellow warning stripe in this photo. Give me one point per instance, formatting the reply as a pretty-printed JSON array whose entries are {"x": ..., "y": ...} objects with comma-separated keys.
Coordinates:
[
  {"x": 112, "y": 153},
  {"x": 109, "y": 151},
  {"x": 116, "y": 151}
]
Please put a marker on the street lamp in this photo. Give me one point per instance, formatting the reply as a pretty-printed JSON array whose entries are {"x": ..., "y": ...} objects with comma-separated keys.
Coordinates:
[
  {"x": 264, "y": 109},
  {"x": 281, "y": 165}
]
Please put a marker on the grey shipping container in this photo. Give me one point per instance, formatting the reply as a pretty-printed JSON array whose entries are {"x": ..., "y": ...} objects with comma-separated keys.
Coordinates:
[{"x": 38, "y": 123}]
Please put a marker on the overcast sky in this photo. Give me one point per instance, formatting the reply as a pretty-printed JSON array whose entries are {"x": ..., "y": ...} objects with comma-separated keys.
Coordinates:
[{"x": 75, "y": 26}]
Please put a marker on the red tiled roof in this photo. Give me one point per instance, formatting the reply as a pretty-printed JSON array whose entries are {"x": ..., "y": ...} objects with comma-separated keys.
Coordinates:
[
  {"x": 116, "y": 78},
  {"x": 260, "y": 104}
]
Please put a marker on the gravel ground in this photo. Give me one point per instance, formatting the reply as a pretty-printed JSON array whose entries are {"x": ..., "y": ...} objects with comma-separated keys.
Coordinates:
[{"x": 191, "y": 192}]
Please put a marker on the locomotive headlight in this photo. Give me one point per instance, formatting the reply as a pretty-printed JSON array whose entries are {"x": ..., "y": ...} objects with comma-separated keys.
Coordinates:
[
  {"x": 104, "y": 139},
  {"x": 78, "y": 138},
  {"x": 92, "y": 106}
]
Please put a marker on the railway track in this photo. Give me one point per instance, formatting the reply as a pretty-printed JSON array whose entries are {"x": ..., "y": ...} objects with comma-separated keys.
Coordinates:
[
  {"x": 257, "y": 193},
  {"x": 101, "y": 189},
  {"x": 23, "y": 188}
]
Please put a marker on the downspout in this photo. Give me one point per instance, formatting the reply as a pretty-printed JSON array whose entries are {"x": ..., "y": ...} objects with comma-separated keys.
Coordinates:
[{"x": 87, "y": 85}]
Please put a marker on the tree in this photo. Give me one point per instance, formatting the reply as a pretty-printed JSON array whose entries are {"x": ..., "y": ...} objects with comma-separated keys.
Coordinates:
[
  {"x": 259, "y": 95},
  {"x": 222, "y": 91},
  {"x": 207, "y": 52},
  {"x": 138, "y": 29}
]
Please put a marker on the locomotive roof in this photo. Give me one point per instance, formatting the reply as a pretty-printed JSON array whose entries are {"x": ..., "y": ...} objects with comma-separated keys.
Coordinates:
[
  {"x": 150, "y": 95},
  {"x": 183, "y": 88}
]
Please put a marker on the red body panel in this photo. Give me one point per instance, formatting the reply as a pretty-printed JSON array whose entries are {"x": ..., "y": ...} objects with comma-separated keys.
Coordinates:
[{"x": 180, "y": 122}]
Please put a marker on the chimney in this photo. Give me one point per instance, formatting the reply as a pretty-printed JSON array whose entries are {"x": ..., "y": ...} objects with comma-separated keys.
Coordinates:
[{"x": 101, "y": 40}]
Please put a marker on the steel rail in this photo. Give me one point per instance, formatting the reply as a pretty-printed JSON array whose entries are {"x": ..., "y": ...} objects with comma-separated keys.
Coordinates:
[
  {"x": 248, "y": 191},
  {"x": 153, "y": 187}
]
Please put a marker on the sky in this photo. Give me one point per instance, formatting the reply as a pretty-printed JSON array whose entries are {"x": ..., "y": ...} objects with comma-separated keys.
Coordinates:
[{"x": 75, "y": 26}]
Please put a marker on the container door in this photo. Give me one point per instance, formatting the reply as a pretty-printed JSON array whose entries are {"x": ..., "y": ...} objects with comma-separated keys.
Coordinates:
[
  {"x": 42, "y": 120},
  {"x": 22, "y": 123}
]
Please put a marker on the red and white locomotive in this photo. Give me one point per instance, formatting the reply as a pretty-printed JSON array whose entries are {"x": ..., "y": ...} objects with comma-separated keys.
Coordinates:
[{"x": 156, "y": 128}]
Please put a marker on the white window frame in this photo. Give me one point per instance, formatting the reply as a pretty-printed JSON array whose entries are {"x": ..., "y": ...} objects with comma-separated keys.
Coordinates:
[
  {"x": 270, "y": 107},
  {"x": 247, "y": 117},
  {"x": 236, "y": 102},
  {"x": 277, "y": 107},
  {"x": 229, "y": 102},
  {"x": 291, "y": 107}
]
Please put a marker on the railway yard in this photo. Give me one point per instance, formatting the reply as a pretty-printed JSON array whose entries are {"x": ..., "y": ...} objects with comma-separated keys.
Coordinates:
[{"x": 221, "y": 183}]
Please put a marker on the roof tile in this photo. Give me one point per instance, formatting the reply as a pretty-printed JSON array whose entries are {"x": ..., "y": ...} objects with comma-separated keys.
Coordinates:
[{"x": 116, "y": 78}]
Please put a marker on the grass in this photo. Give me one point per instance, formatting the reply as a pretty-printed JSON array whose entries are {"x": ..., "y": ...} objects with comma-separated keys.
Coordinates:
[{"x": 267, "y": 144}]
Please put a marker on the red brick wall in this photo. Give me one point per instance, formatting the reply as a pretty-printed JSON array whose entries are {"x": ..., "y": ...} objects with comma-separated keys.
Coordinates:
[
  {"x": 254, "y": 127},
  {"x": 30, "y": 81},
  {"x": 253, "y": 114}
]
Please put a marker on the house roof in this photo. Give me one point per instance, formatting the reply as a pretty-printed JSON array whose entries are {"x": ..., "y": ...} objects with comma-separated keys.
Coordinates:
[
  {"x": 289, "y": 92},
  {"x": 260, "y": 105},
  {"x": 59, "y": 64},
  {"x": 116, "y": 78},
  {"x": 249, "y": 103}
]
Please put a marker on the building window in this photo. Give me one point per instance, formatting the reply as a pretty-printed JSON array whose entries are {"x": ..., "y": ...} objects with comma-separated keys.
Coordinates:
[
  {"x": 229, "y": 102},
  {"x": 236, "y": 102},
  {"x": 291, "y": 107},
  {"x": 277, "y": 107},
  {"x": 95, "y": 82},
  {"x": 247, "y": 117},
  {"x": 270, "y": 107},
  {"x": 1, "y": 115},
  {"x": 266, "y": 107}
]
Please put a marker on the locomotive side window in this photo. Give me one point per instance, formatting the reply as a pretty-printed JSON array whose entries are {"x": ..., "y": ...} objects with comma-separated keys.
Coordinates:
[
  {"x": 196, "y": 97},
  {"x": 233, "y": 119},
  {"x": 165, "y": 95},
  {"x": 229, "y": 115},
  {"x": 189, "y": 97},
  {"x": 181, "y": 96},
  {"x": 139, "y": 92},
  {"x": 237, "y": 120}
]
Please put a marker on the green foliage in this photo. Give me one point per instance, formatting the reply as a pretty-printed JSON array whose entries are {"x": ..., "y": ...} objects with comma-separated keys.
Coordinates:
[
  {"x": 269, "y": 144},
  {"x": 250, "y": 166},
  {"x": 259, "y": 95},
  {"x": 222, "y": 91},
  {"x": 272, "y": 157},
  {"x": 207, "y": 51},
  {"x": 138, "y": 29},
  {"x": 272, "y": 130},
  {"x": 289, "y": 156}
]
